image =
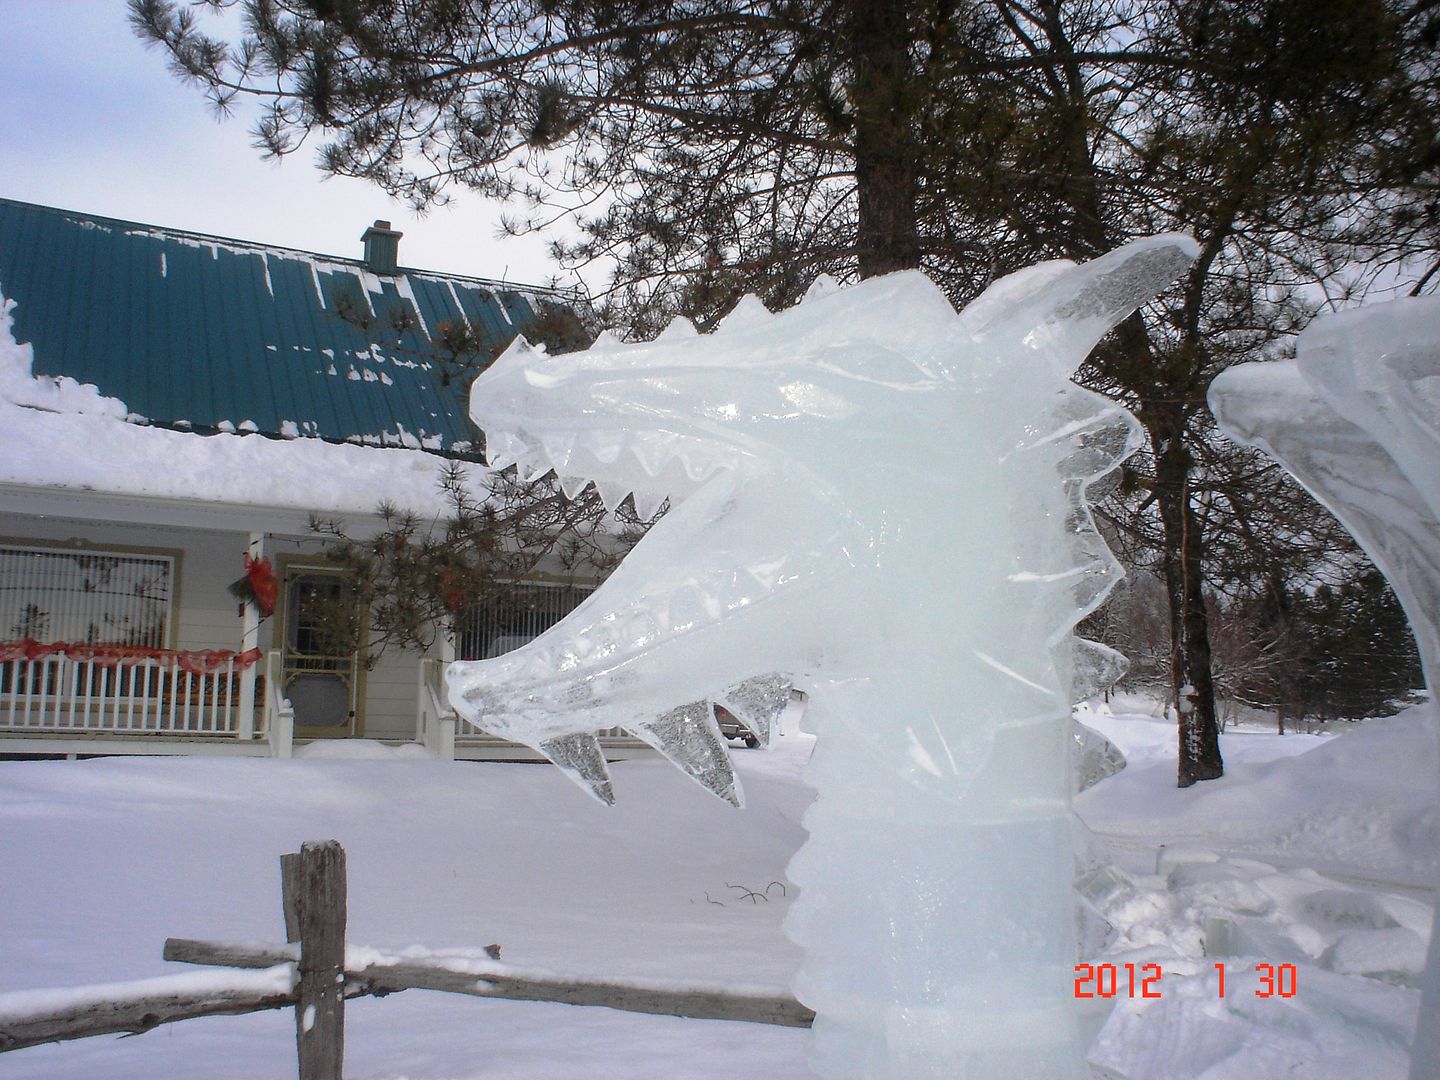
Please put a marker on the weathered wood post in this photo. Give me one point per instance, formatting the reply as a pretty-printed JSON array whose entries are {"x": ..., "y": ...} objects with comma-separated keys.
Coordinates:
[{"x": 313, "y": 887}]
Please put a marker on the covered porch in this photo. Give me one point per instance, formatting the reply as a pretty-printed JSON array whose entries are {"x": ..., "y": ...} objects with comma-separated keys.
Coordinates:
[
  {"x": 118, "y": 635},
  {"x": 75, "y": 699}
]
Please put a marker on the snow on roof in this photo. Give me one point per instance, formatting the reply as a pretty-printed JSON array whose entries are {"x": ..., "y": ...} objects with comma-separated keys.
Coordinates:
[
  {"x": 58, "y": 433},
  {"x": 208, "y": 333}
]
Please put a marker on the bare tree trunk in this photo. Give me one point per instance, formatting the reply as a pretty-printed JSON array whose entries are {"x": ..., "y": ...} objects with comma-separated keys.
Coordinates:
[
  {"x": 1192, "y": 690},
  {"x": 887, "y": 235}
]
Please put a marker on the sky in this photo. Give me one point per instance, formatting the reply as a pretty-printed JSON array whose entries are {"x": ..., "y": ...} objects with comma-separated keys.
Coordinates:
[{"x": 92, "y": 120}]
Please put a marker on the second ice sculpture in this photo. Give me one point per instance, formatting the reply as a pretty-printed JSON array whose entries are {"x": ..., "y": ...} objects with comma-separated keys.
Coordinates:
[
  {"x": 1355, "y": 418},
  {"x": 886, "y": 501}
]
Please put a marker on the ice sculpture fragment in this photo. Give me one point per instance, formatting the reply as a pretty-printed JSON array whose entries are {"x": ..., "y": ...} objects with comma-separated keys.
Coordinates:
[
  {"x": 1355, "y": 418},
  {"x": 886, "y": 501}
]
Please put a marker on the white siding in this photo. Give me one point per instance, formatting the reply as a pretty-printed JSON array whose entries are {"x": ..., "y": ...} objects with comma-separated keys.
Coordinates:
[{"x": 391, "y": 687}]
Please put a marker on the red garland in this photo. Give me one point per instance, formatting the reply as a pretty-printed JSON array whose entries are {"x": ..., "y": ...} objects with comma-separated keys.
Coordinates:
[{"x": 193, "y": 661}]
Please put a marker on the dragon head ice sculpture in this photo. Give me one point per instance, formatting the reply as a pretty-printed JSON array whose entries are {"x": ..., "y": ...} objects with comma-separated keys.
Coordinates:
[{"x": 886, "y": 501}]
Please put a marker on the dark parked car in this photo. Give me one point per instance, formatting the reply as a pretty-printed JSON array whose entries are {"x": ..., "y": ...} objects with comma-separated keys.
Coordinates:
[{"x": 731, "y": 728}]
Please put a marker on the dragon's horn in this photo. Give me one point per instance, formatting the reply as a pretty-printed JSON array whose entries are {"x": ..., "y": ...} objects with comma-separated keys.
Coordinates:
[{"x": 1077, "y": 305}]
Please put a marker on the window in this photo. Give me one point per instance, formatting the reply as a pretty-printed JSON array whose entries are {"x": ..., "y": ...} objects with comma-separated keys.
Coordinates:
[
  {"x": 96, "y": 597},
  {"x": 526, "y": 612}
]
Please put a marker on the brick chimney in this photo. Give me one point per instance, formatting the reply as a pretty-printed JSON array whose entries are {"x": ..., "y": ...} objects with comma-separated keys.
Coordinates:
[{"x": 382, "y": 248}]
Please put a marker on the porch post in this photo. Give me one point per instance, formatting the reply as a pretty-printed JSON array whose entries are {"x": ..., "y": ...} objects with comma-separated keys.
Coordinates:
[
  {"x": 447, "y": 720},
  {"x": 249, "y": 639}
]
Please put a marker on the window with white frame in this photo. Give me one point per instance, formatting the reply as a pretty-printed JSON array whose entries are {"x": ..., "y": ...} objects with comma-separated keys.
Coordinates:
[
  {"x": 75, "y": 595},
  {"x": 525, "y": 613}
]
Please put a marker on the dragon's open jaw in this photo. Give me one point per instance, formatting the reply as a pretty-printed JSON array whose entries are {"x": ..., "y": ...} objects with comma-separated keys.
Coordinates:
[
  {"x": 817, "y": 462},
  {"x": 607, "y": 665}
]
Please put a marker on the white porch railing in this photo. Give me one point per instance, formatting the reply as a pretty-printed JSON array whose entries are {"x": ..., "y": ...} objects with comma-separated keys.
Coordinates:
[
  {"x": 278, "y": 713},
  {"x": 60, "y": 694}
]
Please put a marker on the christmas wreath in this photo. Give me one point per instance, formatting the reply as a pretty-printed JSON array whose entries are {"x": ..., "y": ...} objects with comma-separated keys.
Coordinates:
[{"x": 258, "y": 586}]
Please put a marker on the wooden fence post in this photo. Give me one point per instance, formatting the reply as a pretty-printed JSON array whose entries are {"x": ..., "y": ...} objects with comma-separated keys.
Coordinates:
[{"x": 313, "y": 888}]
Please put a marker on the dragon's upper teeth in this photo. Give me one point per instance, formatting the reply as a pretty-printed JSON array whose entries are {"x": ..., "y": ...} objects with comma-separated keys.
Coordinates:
[
  {"x": 573, "y": 486},
  {"x": 558, "y": 449},
  {"x": 697, "y": 466},
  {"x": 605, "y": 448},
  {"x": 612, "y": 492},
  {"x": 654, "y": 452},
  {"x": 647, "y": 502},
  {"x": 501, "y": 448}
]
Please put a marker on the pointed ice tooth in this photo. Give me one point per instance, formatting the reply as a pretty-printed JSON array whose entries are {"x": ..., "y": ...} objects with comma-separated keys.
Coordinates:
[
  {"x": 531, "y": 469},
  {"x": 758, "y": 702},
  {"x": 557, "y": 449},
  {"x": 690, "y": 738},
  {"x": 603, "y": 446},
  {"x": 572, "y": 486},
  {"x": 579, "y": 756},
  {"x": 606, "y": 341},
  {"x": 687, "y": 609},
  {"x": 697, "y": 463},
  {"x": 767, "y": 574},
  {"x": 647, "y": 503},
  {"x": 739, "y": 589},
  {"x": 501, "y": 448},
  {"x": 1094, "y": 668},
  {"x": 612, "y": 492},
  {"x": 654, "y": 451},
  {"x": 637, "y": 630}
]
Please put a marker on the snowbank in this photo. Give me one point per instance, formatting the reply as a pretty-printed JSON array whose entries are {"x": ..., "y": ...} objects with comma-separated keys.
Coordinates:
[
  {"x": 1364, "y": 800},
  {"x": 1312, "y": 861},
  {"x": 106, "y": 858}
]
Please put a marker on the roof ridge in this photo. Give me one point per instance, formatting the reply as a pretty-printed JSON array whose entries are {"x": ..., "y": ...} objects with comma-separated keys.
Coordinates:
[{"x": 572, "y": 294}]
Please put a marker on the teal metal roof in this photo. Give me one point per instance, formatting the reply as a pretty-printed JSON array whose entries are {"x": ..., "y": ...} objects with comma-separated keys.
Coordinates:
[{"x": 204, "y": 333}]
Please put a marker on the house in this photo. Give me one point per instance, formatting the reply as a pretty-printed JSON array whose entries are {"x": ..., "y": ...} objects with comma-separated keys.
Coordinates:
[{"x": 174, "y": 408}]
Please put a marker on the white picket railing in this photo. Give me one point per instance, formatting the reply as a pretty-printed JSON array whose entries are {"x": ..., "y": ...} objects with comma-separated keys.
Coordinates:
[{"x": 56, "y": 694}]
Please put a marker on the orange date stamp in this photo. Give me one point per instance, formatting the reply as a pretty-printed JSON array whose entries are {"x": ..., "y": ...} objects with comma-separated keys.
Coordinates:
[{"x": 1143, "y": 980}]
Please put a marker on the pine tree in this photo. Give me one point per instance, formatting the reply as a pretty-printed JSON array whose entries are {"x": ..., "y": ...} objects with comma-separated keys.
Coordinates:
[{"x": 716, "y": 147}]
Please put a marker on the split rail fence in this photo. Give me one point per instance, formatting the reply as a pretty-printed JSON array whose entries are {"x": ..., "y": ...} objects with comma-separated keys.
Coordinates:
[{"x": 311, "y": 974}]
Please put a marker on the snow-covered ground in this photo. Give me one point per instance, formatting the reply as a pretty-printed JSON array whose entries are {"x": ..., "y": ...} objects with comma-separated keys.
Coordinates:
[{"x": 1312, "y": 851}]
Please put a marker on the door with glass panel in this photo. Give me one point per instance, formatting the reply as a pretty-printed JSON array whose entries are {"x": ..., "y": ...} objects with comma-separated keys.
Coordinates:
[{"x": 320, "y": 669}]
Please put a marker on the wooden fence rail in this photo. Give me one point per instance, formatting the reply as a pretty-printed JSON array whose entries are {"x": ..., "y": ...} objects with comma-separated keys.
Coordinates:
[
  {"x": 314, "y": 975},
  {"x": 30, "y": 1018}
]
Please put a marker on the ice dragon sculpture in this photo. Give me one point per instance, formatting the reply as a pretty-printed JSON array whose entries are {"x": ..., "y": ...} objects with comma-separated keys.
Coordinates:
[
  {"x": 1355, "y": 418},
  {"x": 887, "y": 501}
]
